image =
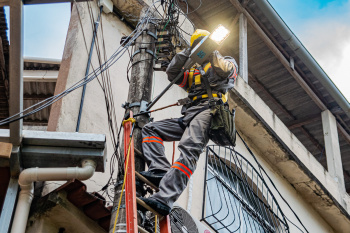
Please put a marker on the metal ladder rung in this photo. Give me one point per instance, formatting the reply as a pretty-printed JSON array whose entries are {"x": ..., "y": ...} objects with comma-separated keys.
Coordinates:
[
  {"x": 141, "y": 230},
  {"x": 149, "y": 183},
  {"x": 142, "y": 203}
]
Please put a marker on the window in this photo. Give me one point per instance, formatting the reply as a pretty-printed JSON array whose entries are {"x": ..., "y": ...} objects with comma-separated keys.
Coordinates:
[{"x": 236, "y": 196}]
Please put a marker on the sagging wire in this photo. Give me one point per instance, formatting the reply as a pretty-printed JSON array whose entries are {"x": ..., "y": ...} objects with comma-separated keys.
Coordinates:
[
  {"x": 115, "y": 157},
  {"x": 106, "y": 87},
  {"x": 111, "y": 61},
  {"x": 262, "y": 170}
]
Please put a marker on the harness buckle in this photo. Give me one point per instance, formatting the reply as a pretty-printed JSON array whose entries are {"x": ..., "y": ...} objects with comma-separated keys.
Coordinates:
[{"x": 212, "y": 102}]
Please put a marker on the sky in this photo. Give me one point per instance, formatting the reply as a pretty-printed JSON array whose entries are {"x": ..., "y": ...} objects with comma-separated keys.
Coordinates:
[{"x": 323, "y": 26}]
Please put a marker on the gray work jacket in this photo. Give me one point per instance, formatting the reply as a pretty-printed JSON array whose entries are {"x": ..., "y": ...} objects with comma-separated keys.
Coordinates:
[{"x": 221, "y": 75}]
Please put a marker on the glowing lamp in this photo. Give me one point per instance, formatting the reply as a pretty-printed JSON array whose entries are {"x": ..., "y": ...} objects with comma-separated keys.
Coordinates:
[
  {"x": 219, "y": 34},
  {"x": 206, "y": 46}
]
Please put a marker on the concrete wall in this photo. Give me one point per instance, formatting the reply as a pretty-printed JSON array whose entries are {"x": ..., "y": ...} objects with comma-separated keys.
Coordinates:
[{"x": 94, "y": 119}]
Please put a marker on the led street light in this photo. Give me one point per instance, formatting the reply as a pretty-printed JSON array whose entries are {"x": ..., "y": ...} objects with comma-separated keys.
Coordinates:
[{"x": 219, "y": 34}]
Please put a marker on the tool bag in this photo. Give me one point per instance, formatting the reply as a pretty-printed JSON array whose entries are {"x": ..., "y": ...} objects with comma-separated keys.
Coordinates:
[{"x": 222, "y": 129}]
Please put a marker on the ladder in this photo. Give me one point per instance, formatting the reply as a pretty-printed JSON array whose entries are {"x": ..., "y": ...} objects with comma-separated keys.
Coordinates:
[{"x": 130, "y": 190}]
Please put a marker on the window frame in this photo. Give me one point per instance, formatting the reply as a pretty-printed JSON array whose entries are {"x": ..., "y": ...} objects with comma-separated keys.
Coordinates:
[{"x": 265, "y": 216}]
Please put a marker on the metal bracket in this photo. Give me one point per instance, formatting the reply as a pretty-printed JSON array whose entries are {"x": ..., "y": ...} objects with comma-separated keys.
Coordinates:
[
  {"x": 128, "y": 105},
  {"x": 146, "y": 50},
  {"x": 152, "y": 34},
  {"x": 143, "y": 107}
]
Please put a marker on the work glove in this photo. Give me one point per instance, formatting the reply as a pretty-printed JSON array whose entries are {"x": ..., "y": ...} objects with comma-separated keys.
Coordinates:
[{"x": 221, "y": 66}]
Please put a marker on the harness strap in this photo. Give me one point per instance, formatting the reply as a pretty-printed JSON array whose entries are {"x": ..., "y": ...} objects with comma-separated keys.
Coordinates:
[{"x": 180, "y": 121}]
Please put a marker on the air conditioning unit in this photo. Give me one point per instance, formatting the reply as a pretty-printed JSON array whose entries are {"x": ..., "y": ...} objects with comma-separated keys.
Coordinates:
[{"x": 183, "y": 222}]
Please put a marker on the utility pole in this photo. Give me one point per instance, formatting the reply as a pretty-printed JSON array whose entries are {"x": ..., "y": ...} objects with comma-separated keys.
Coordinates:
[{"x": 139, "y": 91}]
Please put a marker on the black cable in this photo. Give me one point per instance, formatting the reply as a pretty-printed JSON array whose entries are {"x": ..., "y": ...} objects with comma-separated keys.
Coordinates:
[
  {"x": 111, "y": 61},
  {"x": 273, "y": 184}
]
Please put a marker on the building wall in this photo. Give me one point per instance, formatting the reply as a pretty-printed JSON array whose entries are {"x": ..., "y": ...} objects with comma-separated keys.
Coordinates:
[{"x": 94, "y": 119}]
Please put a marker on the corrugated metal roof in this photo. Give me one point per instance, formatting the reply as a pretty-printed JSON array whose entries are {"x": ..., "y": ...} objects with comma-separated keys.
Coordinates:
[
  {"x": 35, "y": 92},
  {"x": 273, "y": 83}
]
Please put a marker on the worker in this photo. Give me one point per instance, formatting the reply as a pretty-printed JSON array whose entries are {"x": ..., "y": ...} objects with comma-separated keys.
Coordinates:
[{"x": 191, "y": 129}]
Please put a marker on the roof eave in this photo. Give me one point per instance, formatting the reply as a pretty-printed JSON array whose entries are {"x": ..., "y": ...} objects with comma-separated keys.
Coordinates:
[{"x": 293, "y": 42}]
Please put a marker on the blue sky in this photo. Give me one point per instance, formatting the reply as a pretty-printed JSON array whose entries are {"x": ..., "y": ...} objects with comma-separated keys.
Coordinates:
[
  {"x": 45, "y": 29},
  {"x": 323, "y": 26}
]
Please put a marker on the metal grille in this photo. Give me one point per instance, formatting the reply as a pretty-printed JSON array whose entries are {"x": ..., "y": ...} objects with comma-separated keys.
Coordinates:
[{"x": 236, "y": 197}]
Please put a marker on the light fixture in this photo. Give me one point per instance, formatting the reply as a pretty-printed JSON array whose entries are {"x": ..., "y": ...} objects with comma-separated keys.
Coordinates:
[
  {"x": 206, "y": 46},
  {"x": 219, "y": 34}
]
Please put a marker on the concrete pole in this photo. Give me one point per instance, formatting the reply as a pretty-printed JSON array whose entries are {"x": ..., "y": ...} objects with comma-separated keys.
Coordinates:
[
  {"x": 243, "y": 49},
  {"x": 334, "y": 162},
  {"x": 140, "y": 89},
  {"x": 16, "y": 69}
]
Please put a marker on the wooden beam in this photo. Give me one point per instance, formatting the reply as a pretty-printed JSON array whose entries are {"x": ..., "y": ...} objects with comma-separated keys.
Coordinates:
[
  {"x": 243, "y": 48},
  {"x": 304, "y": 121},
  {"x": 36, "y": 97},
  {"x": 279, "y": 55},
  {"x": 16, "y": 69},
  {"x": 334, "y": 162},
  {"x": 342, "y": 131},
  {"x": 285, "y": 111},
  {"x": 254, "y": 81},
  {"x": 5, "y": 150},
  {"x": 312, "y": 139}
]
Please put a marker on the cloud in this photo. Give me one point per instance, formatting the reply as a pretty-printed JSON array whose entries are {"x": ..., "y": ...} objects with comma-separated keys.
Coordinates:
[{"x": 327, "y": 38}]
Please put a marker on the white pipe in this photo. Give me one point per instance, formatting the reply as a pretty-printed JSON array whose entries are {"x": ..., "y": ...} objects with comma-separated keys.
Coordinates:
[
  {"x": 189, "y": 200},
  {"x": 42, "y": 60},
  {"x": 28, "y": 176},
  {"x": 40, "y": 75}
]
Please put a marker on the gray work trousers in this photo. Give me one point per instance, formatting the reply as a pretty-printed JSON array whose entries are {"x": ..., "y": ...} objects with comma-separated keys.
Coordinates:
[{"x": 192, "y": 139}]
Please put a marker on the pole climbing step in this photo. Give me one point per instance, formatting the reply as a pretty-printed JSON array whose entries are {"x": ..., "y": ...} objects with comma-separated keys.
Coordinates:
[
  {"x": 149, "y": 183},
  {"x": 144, "y": 205},
  {"x": 141, "y": 230}
]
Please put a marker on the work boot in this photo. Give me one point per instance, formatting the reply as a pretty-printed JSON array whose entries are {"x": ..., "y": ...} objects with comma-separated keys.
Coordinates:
[
  {"x": 154, "y": 176},
  {"x": 156, "y": 205}
]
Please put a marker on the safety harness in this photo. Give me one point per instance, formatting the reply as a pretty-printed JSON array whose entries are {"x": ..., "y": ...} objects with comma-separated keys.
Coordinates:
[
  {"x": 197, "y": 76},
  {"x": 222, "y": 128},
  {"x": 195, "y": 81}
]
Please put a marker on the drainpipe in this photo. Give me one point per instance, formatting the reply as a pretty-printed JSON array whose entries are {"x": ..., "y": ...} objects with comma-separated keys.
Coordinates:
[
  {"x": 87, "y": 71},
  {"x": 28, "y": 176},
  {"x": 289, "y": 37}
]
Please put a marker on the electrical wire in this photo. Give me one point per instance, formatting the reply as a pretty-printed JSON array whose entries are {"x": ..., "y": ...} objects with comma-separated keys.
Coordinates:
[
  {"x": 111, "y": 61},
  {"x": 262, "y": 170}
]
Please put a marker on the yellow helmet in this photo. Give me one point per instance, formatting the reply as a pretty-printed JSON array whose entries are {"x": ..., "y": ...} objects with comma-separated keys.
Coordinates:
[{"x": 198, "y": 33}]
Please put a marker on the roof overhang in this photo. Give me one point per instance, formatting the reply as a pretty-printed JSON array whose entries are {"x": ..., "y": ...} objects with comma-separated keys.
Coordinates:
[
  {"x": 287, "y": 155},
  {"x": 59, "y": 149}
]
